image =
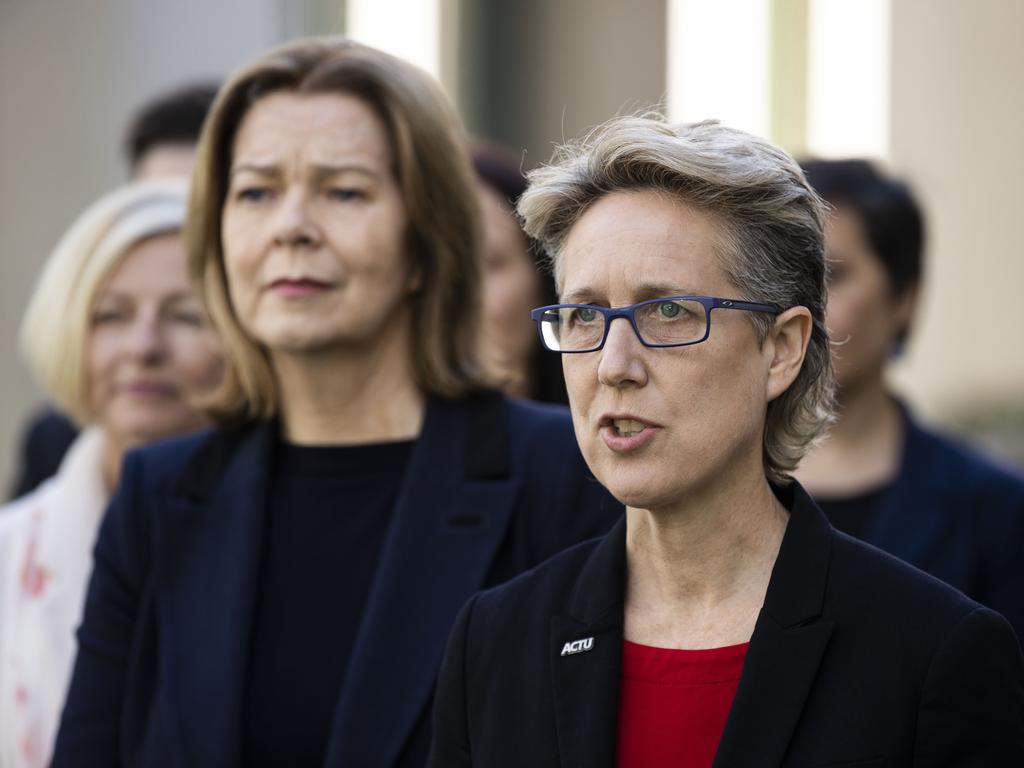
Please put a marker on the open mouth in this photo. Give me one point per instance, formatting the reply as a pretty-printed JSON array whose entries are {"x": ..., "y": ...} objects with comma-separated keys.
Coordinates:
[{"x": 628, "y": 427}]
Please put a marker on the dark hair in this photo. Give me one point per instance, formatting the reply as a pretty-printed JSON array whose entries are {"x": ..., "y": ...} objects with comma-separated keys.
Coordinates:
[
  {"x": 889, "y": 213},
  {"x": 496, "y": 167},
  {"x": 175, "y": 117}
]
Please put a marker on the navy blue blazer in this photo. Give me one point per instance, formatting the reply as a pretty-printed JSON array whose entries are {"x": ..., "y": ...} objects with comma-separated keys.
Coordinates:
[
  {"x": 954, "y": 514},
  {"x": 492, "y": 488},
  {"x": 856, "y": 660}
]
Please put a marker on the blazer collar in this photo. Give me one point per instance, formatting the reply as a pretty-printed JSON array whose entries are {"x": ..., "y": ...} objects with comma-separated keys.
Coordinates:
[
  {"x": 450, "y": 518},
  {"x": 208, "y": 568},
  {"x": 585, "y": 682},
  {"x": 788, "y": 643},
  {"x": 893, "y": 527},
  {"x": 785, "y": 651}
]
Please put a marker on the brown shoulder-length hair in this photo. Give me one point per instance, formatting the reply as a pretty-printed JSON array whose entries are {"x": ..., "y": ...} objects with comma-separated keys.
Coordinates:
[{"x": 438, "y": 190}]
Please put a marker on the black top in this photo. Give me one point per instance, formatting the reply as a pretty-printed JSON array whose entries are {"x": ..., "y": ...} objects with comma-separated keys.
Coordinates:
[
  {"x": 328, "y": 514},
  {"x": 852, "y": 514}
]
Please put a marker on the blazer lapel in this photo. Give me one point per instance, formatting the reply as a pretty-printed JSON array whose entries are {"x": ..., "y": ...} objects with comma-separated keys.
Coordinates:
[
  {"x": 586, "y": 659},
  {"x": 893, "y": 528},
  {"x": 786, "y": 648},
  {"x": 208, "y": 568},
  {"x": 449, "y": 521}
]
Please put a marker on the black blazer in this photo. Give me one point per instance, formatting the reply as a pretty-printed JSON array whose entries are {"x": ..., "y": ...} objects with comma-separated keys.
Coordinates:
[
  {"x": 856, "y": 659},
  {"x": 492, "y": 487},
  {"x": 956, "y": 515}
]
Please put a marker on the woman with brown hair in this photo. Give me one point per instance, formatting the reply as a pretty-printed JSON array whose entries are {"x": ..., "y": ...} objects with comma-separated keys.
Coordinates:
[{"x": 278, "y": 591}]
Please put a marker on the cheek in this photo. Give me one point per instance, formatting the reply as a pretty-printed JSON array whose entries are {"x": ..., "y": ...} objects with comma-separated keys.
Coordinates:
[{"x": 196, "y": 359}]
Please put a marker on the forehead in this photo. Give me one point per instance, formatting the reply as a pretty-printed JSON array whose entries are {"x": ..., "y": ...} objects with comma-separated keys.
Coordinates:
[
  {"x": 152, "y": 265},
  {"x": 319, "y": 127},
  {"x": 627, "y": 240}
]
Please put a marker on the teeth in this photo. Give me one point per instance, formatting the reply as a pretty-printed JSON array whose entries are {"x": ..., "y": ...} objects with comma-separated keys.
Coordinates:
[{"x": 628, "y": 427}]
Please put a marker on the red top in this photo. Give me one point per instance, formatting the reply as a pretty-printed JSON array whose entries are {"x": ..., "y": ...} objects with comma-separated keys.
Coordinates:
[{"x": 673, "y": 704}]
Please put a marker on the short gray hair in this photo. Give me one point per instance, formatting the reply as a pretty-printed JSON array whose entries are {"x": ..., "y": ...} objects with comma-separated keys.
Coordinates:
[{"x": 773, "y": 238}]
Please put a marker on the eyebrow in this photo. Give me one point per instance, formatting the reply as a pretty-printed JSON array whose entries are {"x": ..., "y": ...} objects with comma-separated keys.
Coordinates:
[
  {"x": 320, "y": 170},
  {"x": 642, "y": 292}
]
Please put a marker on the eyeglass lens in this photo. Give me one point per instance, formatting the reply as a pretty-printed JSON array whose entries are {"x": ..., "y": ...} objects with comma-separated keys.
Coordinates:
[{"x": 577, "y": 329}]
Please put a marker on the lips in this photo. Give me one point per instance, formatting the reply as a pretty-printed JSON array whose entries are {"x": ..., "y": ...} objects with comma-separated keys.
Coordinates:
[
  {"x": 149, "y": 390},
  {"x": 297, "y": 287},
  {"x": 624, "y": 433}
]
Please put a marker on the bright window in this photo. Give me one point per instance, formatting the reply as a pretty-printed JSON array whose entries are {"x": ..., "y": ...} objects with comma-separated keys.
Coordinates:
[{"x": 406, "y": 28}]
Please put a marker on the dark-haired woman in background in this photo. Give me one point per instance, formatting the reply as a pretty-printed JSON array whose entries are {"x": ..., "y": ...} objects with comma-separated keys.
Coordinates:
[
  {"x": 515, "y": 280},
  {"x": 880, "y": 475}
]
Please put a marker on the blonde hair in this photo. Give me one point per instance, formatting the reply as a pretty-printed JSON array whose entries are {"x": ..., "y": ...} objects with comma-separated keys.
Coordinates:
[
  {"x": 773, "y": 236},
  {"x": 438, "y": 190},
  {"x": 55, "y": 327}
]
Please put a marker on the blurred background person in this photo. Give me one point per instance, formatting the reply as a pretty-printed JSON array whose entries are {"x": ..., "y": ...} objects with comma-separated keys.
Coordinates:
[
  {"x": 161, "y": 138},
  {"x": 881, "y": 475},
  {"x": 278, "y": 591},
  {"x": 515, "y": 279},
  {"x": 115, "y": 334},
  {"x": 160, "y": 142}
]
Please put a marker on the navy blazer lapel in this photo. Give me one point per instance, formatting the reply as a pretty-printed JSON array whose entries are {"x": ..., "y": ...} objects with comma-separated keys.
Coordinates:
[
  {"x": 786, "y": 648},
  {"x": 208, "y": 566},
  {"x": 894, "y": 527},
  {"x": 586, "y": 658},
  {"x": 450, "y": 518}
]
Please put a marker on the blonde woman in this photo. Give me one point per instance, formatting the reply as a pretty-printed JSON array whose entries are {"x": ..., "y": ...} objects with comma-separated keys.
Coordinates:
[
  {"x": 115, "y": 334},
  {"x": 279, "y": 590}
]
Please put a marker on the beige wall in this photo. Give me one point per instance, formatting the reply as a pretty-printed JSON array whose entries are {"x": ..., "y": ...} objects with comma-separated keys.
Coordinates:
[
  {"x": 535, "y": 72},
  {"x": 70, "y": 75},
  {"x": 957, "y": 131}
]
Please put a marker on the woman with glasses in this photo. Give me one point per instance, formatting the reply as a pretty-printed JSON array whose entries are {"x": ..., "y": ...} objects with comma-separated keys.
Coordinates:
[
  {"x": 722, "y": 621},
  {"x": 278, "y": 591}
]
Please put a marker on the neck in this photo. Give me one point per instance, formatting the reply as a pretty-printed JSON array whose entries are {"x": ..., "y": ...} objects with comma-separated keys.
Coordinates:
[
  {"x": 113, "y": 455},
  {"x": 863, "y": 447},
  {"x": 698, "y": 573},
  {"x": 350, "y": 395}
]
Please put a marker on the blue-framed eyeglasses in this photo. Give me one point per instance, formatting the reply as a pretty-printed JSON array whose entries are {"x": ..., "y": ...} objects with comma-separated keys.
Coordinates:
[{"x": 674, "y": 321}]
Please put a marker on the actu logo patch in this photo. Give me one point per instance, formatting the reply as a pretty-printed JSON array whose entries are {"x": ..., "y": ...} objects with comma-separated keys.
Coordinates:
[{"x": 578, "y": 646}]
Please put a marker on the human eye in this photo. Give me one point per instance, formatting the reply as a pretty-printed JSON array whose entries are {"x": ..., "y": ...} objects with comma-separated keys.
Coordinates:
[
  {"x": 187, "y": 317},
  {"x": 665, "y": 310},
  {"x": 836, "y": 273},
  {"x": 108, "y": 316},
  {"x": 346, "y": 194},
  {"x": 253, "y": 194},
  {"x": 583, "y": 315}
]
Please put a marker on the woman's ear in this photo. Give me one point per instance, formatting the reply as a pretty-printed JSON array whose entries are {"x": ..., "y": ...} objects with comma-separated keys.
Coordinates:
[{"x": 787, "y": 344}]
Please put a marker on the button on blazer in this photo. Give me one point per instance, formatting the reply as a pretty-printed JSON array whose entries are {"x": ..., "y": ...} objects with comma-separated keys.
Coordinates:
[
  {"x": 492, "y": 487},
  {"x": 856, "y": 659}
]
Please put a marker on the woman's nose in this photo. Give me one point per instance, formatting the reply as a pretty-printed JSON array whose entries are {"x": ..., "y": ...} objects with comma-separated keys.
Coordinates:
[
  {"x": 622, "y": 362},
  {"x": 294, "y": 225},
  {"x": 147, "y": 341}
]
